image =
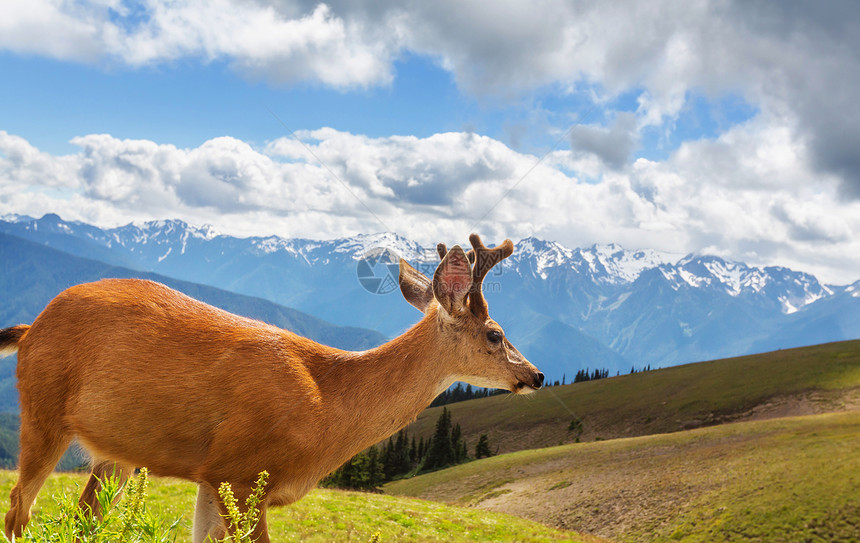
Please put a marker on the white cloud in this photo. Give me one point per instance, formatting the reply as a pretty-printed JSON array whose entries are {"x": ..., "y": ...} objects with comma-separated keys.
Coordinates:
[
  {"x": 795, "y": 61},
  {"x": 23, "y": 166},
  {"x": 614, "y": 145},
  {"x": 258, "y": 40},
  {"x": 730, "y": 194}
]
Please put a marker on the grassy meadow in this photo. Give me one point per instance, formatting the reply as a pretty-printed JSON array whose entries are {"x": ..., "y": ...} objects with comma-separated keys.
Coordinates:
[
  {"x": 805, "y": 380},
  {"x": 704, "y": 452},
  {"x": 329, "y": 515},
  {"x": 789, "y": 479}
]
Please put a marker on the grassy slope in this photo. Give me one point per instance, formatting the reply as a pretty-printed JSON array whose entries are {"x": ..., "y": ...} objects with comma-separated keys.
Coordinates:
[
  {"x": 790, "y": 479},
  {"x": 666, "y": 400},
  {"x": 329, "y": 515}
]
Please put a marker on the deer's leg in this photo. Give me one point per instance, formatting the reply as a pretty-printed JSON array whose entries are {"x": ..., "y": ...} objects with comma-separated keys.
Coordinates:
[
  {"x": 210, "y": 511},
  {"x": 261, "y": 533},
  {"x": 208, "y": 522},
  {"x": 40, "y": 452},
  {"x": 102, "y": 470}
]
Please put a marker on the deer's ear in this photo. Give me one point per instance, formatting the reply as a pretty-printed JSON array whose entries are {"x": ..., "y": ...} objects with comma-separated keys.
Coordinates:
[
  {"x": 452, "y": 281},
  {"x": 416, "y": 288}
]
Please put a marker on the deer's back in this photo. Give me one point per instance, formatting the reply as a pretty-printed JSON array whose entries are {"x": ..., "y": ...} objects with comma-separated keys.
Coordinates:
[{"x": 145, "y": 374}]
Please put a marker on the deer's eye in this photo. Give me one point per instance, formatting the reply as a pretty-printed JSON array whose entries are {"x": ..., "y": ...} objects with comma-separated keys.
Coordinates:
[{"x": 494, "y": 336}]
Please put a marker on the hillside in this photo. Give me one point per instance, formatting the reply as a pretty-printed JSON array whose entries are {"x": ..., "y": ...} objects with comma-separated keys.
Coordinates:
[
  {"x": 791, "y": 479},
  {"x": 798, "y": 381},
  {"x": 324, "y": 516}
]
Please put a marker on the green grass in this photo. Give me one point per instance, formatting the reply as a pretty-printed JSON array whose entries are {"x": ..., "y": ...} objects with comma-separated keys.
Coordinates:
[
  {"x": 791, "y": 479},
  {"x": 330, "y": 515},
  {"x": 659, "y": 401}
]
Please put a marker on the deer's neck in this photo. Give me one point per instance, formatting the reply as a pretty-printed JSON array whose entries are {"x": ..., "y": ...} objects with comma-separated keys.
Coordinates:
[{"x": 379, "y": 391}]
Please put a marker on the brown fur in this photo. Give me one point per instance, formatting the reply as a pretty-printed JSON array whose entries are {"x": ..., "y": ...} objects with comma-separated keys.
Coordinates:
[{"x": 143, "y": 375}]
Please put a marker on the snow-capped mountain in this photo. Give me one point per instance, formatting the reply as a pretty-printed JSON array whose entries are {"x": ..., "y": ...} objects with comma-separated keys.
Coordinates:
[
  {"x": 606, "y": 264},
  {"x": 599, "y": 306}
]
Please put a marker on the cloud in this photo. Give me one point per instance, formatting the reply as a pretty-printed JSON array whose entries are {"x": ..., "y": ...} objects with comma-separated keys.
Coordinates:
[
  {"x": 261, "y": 41},
  {"x": 794, "y": 61},
  {"x": 613, "y": 145},
  {"x": 22, "y": 166},
  {"x": 751, "y": 194},
  {"x": 407, "y": 170}
]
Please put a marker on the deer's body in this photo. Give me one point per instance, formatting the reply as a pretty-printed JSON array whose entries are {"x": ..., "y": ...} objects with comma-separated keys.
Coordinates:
[{"x": 143, "y": 375}]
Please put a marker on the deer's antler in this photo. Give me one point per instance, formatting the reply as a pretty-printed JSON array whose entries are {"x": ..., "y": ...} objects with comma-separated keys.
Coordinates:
[
  {"x": 484, "y": 259},
  {"x": 442, "y": 249}
]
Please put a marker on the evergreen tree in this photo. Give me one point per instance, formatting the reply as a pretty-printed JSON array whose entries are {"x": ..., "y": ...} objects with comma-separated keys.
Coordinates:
[
  {"x": 440, "y": 450},
  {"x": 389, "y": 459},
  {"x": 401, "y": 449},
  {"x": 422, "y": 449},
  {"x": 413, "y": 453},
  {"x": 375, "y": 469},
  {"x": 456, "y": 437},
  {"x": 482, "y": 449}
]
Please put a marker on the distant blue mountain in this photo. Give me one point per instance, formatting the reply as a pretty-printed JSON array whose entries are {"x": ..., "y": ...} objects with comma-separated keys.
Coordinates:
[
  {"x": 565, "y": 309},
  {"x": 32, "y": 274}
]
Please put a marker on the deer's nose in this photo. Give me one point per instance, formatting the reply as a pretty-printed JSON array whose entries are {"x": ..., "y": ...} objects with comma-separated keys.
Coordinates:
[{"x": 539, "y": 380}]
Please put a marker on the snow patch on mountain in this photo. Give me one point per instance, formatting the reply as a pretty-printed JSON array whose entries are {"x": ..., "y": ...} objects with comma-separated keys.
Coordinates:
[
  {"x": 543, "y": 255},
  {"x": 621, "y": 266},
  {"x": 358, "y": 246},
  {"x": 162, "y": 231},
  {"x": 273, "y": 244}
]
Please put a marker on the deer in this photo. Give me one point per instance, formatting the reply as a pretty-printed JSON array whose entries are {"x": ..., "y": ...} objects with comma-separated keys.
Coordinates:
[{"x": 143, "y": 375}]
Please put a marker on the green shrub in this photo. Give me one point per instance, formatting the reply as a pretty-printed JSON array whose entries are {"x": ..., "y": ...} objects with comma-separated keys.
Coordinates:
[
  {"x": 243, "y": 524},
  {"x": 125, "y": 521},
  {"x": 130, "y": 521}
]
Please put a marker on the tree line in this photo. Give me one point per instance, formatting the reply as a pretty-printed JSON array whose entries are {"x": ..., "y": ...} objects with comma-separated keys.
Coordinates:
[
  {"x": 459, "y": 393},
  {"x": 401, "y": 456}
]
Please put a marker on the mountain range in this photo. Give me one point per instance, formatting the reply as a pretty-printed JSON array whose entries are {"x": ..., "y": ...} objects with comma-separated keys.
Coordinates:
[
  {"x": 32, "y": 274},
  {"x": 565, "y": 309}
]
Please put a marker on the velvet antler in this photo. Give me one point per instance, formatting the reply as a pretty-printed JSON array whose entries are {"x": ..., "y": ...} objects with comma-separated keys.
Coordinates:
[
  {"x": 484, "y": 259},
  {"x": 442, "y": 249}
]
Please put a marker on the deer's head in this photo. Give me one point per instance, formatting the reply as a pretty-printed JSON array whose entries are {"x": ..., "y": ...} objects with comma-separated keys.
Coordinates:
[{"x": 480, "y": 352}]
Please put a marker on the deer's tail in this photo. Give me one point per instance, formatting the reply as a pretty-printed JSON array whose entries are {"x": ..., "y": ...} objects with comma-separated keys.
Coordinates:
[{"x": 9, "y": 338}]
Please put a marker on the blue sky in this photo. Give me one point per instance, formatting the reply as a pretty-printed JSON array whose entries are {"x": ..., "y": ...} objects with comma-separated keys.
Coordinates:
[
  {"x": 710, "y": 127},
  {"x": 186, "y": 103},
  {"x": 189, "y": 102}
]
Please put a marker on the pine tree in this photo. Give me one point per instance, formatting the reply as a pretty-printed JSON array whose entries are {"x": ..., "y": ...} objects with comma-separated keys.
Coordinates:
[
  {"x": 401, "y": 453},
  {"x": 389, "y": 459},
  {"x": 440, "y": 451},
  {"x": 413, "y": 453},
  {"x": 422, "y": 450},
  {"x": 456, "y": 436},
  {"x": 482, "y": 449},
  {"x": 375, "y": 469}
]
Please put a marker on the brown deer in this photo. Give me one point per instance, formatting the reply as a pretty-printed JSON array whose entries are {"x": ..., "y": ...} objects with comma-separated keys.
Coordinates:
[{"x": 143, "y": 375}]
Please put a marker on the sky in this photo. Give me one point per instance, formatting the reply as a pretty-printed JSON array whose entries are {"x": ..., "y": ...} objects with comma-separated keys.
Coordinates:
[{"x": 697, "y": 126}]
